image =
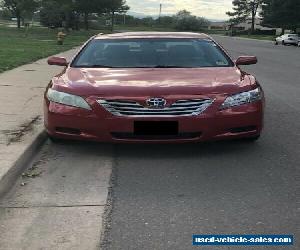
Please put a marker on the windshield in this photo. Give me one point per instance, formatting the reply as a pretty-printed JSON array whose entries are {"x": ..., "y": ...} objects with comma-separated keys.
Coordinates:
[{"x": 152, "y": 53}]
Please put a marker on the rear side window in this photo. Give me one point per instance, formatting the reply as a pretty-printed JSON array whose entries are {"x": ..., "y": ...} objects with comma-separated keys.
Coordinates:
[{"x": 148, "y": 53}]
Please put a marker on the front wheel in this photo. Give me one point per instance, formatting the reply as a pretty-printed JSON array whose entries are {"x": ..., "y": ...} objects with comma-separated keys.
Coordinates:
[
  {"x": 283, "y": 42},
  {"x": 55, "y": 140},
  {"x": 252, "y": 139}
]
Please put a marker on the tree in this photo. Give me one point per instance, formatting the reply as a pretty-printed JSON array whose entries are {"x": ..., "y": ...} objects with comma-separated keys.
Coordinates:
[
  {"x": 51, "y": 15},
  {"x": 5, "y": 14},
  {"x": 147, "y": 21},
  {"x": 67, "y": 8},
  {"x": 167, "y": 21},
  {"x": 86, "y": 7},
  {"x": 58, "y": 13},
  {"x": 116, "y": 6},
  {"x": 185, "y": 21},
  {"x": 281, "y": 13},
  {"x": 19, "y": 7},
  {"x": 242, "y": 9}
]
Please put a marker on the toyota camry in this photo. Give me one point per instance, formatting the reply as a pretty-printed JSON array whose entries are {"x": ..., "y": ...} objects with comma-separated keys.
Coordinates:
[{"x": 153, "y": 87}]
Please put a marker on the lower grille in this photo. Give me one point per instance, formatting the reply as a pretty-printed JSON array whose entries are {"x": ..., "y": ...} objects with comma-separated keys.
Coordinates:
[
  {"x": 180, "y": 136},
  {"x": 71, "y": 131},
  {"x": 191, "y": 107}
]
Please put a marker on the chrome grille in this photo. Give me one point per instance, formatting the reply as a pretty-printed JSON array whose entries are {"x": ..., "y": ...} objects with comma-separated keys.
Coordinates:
[{"x": 179, "y": 108}]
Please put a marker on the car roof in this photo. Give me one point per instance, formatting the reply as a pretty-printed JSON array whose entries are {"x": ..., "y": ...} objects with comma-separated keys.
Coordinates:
[{"x": 131, "y": 35}]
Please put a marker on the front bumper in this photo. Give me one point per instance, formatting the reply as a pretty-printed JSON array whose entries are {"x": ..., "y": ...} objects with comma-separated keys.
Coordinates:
[
  {"x": 98, "y": 125},
  {"x": 291, "y": 42}
]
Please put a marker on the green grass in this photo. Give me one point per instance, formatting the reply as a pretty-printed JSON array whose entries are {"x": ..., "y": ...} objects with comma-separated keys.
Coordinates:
[
  {"x": 18, "y": 47},
  {"x": 259, "y": 37}
]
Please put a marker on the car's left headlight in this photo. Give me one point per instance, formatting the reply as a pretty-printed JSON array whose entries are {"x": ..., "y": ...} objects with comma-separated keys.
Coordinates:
[
  {"x": 67, "y": 99},
  {"x": 242, "y": 98}
]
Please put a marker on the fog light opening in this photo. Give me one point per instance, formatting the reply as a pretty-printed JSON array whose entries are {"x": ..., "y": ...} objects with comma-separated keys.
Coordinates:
[
  {"x": 243, "y": 129},
  {"x": 71, "y": 131}
]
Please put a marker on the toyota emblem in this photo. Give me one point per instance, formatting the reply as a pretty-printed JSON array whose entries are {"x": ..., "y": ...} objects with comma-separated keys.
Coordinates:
[{"x": 156, "y": 103}]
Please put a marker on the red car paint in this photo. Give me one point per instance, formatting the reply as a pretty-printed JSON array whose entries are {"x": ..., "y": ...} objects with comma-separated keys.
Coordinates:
[{"x": 140, "y": 84}]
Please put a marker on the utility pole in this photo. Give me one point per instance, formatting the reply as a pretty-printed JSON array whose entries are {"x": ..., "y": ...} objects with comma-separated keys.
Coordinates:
[{"x": 160, "y": 9}]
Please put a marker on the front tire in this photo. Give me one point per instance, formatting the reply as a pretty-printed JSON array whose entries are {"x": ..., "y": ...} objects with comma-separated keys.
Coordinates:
[
  {"x": 252, "y": 139},
  {"x": 55, "y": 140},
  {"x": 283, "y": 43}
]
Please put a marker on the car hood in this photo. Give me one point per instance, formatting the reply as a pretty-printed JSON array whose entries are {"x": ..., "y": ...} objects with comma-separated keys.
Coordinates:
[{"x": 152, "y": 82}]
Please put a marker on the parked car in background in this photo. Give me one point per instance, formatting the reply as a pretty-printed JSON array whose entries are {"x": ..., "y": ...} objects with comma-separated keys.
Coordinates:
[{"x": 287, "y": 39}]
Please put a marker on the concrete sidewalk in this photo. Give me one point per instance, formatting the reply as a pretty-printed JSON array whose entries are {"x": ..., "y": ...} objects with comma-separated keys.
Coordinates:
[
  {"x": 21, "y": 111},
  {"x": 62, "y": 208}
]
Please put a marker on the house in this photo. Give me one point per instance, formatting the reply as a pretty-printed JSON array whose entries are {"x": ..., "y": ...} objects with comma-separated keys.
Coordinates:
[
  {"x": 219, "y": 26},
  {"x": 247, "y": 25}
]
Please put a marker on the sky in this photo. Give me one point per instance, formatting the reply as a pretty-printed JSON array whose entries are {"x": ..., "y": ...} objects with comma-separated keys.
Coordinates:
[{"x": 211, "y": 9}]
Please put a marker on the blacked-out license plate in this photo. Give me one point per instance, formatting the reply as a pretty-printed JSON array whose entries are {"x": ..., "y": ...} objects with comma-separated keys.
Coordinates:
[{"x": 155, "y": 127}]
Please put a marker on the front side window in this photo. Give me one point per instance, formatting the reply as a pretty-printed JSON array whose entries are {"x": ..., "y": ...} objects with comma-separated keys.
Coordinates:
[{"x": 152, "y": 53}]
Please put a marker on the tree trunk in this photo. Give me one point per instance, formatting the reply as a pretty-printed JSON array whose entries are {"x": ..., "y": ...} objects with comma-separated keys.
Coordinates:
[
  {"x": 86, "y": 21},
  {"x": 18, "y": 20},
  {"x": 76, "y": 21},
  {"x": 67, "y": 20},
  {"x": 253, "y": 22},
  {"x": 112, "y": 20}
]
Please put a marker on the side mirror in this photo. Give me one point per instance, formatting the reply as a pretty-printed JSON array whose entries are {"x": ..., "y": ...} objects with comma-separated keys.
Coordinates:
[
  {"x": 246, "y": 60},
  {"x": 59, "y": 61}
]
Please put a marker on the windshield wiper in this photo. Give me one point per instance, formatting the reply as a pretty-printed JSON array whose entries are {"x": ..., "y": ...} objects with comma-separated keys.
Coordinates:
[
  {"x": 169, "y": 66},
  {"x": 147, "y": 67}
]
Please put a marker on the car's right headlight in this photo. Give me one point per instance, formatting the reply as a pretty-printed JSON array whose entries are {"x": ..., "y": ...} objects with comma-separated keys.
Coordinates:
[
  {"x": 243, "y": 98},
  {"x": 67, "y": 99}
]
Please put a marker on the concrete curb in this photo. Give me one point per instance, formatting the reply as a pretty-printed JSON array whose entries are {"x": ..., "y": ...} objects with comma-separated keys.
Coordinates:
[{"x": 8, "y": 180}]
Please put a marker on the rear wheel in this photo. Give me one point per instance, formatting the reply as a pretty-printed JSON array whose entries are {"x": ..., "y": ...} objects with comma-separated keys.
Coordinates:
[{"x": 276, "y": 43}]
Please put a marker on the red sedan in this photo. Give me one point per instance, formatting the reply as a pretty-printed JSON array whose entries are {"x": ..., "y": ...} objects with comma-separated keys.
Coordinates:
[{"x": 153, "y": 87}]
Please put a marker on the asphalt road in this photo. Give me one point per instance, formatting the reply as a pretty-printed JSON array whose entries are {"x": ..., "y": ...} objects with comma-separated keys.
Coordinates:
[{"x": 163, "y": 194}]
